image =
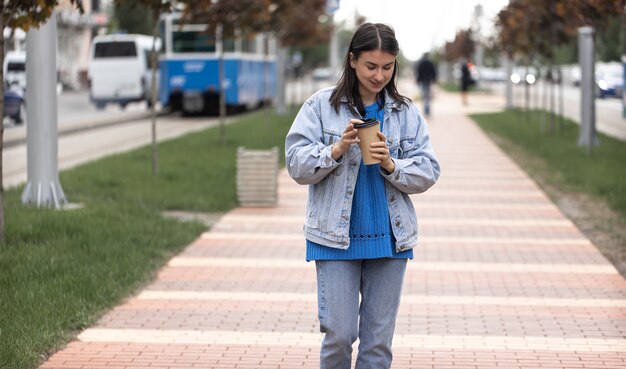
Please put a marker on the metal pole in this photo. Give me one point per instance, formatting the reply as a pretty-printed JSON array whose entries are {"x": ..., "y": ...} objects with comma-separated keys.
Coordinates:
[
  {"x": 281, "y": 107},
  {"x": 509, "y": 84},
  {"x": 43, "y": 187},
  {"x": 587, "y": 135},
  {"x": 479, "y": 51}
]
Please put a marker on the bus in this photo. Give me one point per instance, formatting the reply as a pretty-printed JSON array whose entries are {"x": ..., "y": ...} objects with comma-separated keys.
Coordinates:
[
  {"x": 120, "y": 69},
  {"x": 189, "y": 71}
]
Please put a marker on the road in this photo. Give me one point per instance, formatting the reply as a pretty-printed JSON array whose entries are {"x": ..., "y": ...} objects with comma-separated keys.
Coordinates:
[
  {"x": 609, "y": 118},
  {"x": 75, "y": 112},
  {"x": 81, "y": 147}
]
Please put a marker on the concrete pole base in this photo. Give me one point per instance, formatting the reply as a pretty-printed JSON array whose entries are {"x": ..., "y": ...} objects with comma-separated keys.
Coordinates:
[{"x": 44, "y": 194}]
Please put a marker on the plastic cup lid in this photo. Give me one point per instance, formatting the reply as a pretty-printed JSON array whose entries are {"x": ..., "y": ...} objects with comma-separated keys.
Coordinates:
[{"x": 366, "y": 123}]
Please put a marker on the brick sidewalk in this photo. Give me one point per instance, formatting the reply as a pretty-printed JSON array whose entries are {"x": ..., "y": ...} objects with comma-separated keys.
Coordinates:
[{"x": 501, "y": 279}]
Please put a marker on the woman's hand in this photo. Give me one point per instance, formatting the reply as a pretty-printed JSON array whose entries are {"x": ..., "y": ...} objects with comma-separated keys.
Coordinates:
[
  {"x": 348, "y": 138},
  {"x": 380, "y": 151}
]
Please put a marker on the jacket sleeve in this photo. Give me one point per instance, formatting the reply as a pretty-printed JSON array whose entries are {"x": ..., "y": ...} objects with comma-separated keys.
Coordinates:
[
  {"x": 308, "y": 159},
  {"x": 418, "y": 168}
]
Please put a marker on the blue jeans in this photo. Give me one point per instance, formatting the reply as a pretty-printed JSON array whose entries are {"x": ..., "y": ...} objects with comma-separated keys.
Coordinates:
[
  {"x": 426, "y": 96},
  {"x": 343, "y": 320}
]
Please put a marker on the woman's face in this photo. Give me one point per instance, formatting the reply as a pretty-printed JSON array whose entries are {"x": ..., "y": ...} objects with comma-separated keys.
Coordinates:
[{"x": 373, "y": 70}]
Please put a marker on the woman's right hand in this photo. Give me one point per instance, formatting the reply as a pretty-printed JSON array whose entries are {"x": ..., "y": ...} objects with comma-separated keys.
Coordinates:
[{"x": 348, "y": 138}]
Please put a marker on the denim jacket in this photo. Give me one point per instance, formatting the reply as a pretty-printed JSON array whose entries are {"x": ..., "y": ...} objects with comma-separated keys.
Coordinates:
[{"x": 331, "y": 183}]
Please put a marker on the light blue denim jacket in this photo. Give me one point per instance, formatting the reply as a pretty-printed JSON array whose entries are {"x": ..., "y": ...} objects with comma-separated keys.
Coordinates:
[{"x": 331, "y": 183}]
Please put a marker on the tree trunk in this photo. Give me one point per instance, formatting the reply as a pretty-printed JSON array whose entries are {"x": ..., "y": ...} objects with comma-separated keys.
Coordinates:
[
  {"x": 552, "y": 107},
  {"x": 561, "y": 113},
  {"x": 526, "y": 94},
  {"x": 535, "y": 99},
  {"x": 220, "y": 80},
  {"x": 266, "y": 78},
  {"x": 544, "y": 116},
  {"x": 1, "y": 124},
  {"x": 153, "y": 57}
]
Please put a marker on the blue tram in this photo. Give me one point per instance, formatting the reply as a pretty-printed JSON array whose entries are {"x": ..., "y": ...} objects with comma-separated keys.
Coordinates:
[{"x": 189, "y": 68}]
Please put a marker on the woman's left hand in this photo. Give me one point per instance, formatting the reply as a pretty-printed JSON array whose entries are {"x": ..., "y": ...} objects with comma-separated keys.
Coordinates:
[{"x": 380, "y": 151}]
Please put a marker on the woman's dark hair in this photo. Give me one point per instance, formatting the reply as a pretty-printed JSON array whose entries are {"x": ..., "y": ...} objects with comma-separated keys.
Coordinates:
[{"x": 368, "y": 37}]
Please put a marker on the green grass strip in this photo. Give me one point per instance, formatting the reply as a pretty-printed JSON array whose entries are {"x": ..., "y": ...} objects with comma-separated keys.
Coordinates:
[
  {"x": 603, "y": 173},
  {"x": 455, "y": 87},
  {"x": 61, "y": 270}
]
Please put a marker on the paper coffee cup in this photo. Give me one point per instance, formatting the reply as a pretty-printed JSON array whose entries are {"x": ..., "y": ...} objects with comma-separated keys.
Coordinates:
[{"x": 368, "y": 133}]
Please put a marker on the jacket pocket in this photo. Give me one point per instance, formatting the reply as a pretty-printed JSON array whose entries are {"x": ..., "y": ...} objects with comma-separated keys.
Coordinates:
[
  {"x": 394, "y": 151},
  {"x": 405, "y": 146},
  {"x": 320, "y": 201}
]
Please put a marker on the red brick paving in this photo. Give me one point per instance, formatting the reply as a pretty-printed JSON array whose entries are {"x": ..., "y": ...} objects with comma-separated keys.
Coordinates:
[{"x": 224, "y": 312}]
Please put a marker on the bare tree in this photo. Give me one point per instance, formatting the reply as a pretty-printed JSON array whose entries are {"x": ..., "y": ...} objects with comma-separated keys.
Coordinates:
[{"x": 157, "y": 8}]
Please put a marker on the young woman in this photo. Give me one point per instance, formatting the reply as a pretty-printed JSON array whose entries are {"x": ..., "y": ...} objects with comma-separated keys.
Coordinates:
[{"x": 360, "y": 224}]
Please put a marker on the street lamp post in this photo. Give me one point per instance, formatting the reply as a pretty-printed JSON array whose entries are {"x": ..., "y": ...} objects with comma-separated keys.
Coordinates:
[
  {"x": 508, "y": 67},
  {"x": 587, "y": 135},
  {"x": 43, "y": 187}
]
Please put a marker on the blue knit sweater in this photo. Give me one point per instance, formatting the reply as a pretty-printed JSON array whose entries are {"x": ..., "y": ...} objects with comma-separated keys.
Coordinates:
[{"x": 370, "y": 229}]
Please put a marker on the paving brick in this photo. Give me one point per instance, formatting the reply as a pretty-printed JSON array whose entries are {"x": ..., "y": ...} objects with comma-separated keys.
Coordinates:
[{"x": 501, "y": 279}]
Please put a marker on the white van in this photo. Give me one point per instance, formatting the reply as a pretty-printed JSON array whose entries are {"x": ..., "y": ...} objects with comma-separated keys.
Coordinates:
[
  {"x": 14, "y": 68},
  {"x": 120, "y": 69}
]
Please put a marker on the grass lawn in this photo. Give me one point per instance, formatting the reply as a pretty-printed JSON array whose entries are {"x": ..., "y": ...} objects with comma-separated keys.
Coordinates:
[
  {"x": 455, "y": 87},
  {"x": 450, "y": 87},
  {"x": 554, "y": 159},
  {"x": 61, "y": 270}
]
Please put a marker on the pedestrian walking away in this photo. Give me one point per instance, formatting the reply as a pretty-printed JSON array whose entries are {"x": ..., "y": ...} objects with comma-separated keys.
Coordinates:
[
  {"x": 466, "y": 79},
  {"x": 426, "y": 75},
  {"x": 360, "y": 224}
]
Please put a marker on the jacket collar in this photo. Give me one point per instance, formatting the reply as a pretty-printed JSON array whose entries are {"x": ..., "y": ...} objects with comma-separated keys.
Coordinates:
[{"x": 390, "y": 103}]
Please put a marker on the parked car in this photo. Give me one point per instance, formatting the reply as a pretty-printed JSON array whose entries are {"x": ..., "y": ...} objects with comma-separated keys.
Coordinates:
[
  {"x": 13, "y": 102},
  {"x": 610, "y": 81},
  {"x": 524, "y": 75},
  {"x": 492, "y": 74}
]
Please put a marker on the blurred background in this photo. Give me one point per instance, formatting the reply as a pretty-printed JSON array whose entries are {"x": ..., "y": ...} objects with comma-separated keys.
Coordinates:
[
  {"x": 279, "y": 52},
  {"x": 86, "y": 79}
]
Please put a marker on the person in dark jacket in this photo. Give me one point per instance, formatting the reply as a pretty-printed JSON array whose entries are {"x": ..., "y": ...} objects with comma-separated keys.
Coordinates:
[
  {"x": 426, "y": 75},
  {"x": 466, "y": 79}
]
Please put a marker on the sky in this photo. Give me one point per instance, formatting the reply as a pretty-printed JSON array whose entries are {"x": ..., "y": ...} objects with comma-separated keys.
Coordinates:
[{"x": 421, "y": 25}]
